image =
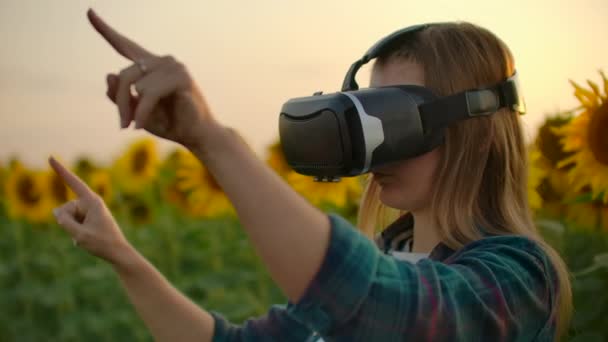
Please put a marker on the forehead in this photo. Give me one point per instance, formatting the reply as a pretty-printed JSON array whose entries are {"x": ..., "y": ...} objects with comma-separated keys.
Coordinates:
[{"x": 396, "y": 72}]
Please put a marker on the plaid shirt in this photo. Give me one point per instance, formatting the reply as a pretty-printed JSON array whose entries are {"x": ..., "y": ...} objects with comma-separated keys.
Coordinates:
[{"x": 499, "y": 288}]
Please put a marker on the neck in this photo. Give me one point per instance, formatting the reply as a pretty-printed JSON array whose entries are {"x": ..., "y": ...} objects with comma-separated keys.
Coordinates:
[{"x": 425, "y": 233}]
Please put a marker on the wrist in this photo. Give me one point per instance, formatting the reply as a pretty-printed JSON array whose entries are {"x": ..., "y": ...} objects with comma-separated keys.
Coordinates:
[
  {"x": 127, "y": 260},
  {"x": 213, "y": 141}
]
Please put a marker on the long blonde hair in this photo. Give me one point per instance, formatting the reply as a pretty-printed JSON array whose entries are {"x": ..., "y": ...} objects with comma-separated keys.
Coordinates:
[{"x": 482, "y": 176}]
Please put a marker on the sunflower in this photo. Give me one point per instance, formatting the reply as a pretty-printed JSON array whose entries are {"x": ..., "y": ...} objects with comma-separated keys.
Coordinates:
[
  {"x": 276, "y": 160},
  {"x": 83, "y": 167},
  {"x": 58, "y": 191},
  {"x": 178, "y": 198},
  {"x": 172, "y": 161},
  {"x": 347, "y": 191},
  {"x": 555, "y": 192},
  {"x": 3, "y": 173},
  {"x": 340, "y": 194},
  {"x": 588, "y": 216},
  {"x": 205, "y": 198},
  {"x": 27, "y": 195},
  {"x": 138, "y": 167},
  {"x": 100, "y": 182},
  {"x": 548, "y": 142},
  {"x": 138, "y": 209},
  {"x": 536, "y": 174},
  {"x": 171, "y": 192},
  {"x": 585, "y": 139}
]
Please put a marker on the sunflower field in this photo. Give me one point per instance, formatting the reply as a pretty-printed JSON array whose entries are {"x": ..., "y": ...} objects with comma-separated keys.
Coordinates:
[{"x": 173, "y": 211}]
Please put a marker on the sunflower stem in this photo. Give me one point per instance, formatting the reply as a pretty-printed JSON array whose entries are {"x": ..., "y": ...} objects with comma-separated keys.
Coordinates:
[{"x": 23, "y": 267}]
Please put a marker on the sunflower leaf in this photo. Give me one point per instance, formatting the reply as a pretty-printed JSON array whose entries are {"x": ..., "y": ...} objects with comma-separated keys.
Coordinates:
[
  {"x": 599, "y": 261},
  {"x": 582, "y": 198}
]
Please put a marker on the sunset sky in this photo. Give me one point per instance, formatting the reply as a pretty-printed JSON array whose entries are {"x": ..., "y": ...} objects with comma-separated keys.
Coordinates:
[{"x": 249, "y": 57}]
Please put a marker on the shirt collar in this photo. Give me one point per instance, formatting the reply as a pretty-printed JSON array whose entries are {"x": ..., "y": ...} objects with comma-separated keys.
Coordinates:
[{"x": 406, "y": 222}]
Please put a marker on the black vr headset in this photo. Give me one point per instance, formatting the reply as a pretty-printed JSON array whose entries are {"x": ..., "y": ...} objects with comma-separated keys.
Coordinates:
[{"x": 350, "y": 132}]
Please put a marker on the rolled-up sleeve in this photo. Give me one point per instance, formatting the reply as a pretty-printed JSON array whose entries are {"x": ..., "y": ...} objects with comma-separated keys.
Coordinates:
[
  {"x": 496, "y": 288},
  {"x": 348, "y": 260},
  {"x": 343, "y": 281},
  {"x": 277, "y": 325}
]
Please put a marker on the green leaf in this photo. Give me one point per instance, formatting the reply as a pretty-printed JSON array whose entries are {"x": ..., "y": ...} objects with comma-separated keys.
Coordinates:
[
  {"x": 599, "y": 261},
  {"x": 588, "y": 337},
  {"x": 553, "y": 231},
  {"x": 583, "y": 198}
]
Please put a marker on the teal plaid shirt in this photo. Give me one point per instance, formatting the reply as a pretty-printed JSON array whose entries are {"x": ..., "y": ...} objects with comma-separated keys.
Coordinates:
[{"x": 499, "y": 288}]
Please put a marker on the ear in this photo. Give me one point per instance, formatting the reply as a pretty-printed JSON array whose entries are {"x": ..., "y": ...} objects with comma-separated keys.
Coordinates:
[{"x": 375, "y": 74}]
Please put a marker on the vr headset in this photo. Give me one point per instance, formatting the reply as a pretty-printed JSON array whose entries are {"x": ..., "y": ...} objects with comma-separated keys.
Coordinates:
[{"x": 350, "y": 132}]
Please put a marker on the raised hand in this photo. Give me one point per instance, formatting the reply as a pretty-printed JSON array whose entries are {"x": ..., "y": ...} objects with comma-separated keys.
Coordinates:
[
  {"x": 89, "y": 221},
  {"x": 167, "y": 104}
]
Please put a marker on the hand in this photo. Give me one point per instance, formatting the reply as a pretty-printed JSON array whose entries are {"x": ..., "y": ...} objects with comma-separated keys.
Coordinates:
[
  {"x": 89, "y": 221},
  {"x": 168, "y": 103}
]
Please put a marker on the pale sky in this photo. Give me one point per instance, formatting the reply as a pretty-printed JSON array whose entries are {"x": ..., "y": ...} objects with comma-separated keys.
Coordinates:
[{"x": 249, "y": 57}]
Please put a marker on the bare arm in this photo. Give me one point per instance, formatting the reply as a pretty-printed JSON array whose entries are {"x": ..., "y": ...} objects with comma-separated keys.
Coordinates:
[
  {"x": 288, "y": 233},
  {"x": 169, "y": 315}
]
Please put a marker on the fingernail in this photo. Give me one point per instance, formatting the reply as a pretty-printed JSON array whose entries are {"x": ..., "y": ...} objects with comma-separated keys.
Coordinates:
[{"x": 56, "y": 212}]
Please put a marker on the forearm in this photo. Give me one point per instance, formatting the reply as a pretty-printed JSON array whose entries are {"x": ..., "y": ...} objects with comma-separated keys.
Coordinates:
[
  {"x": 168, "y": 314},
  {"x": 289, "y": 234}
]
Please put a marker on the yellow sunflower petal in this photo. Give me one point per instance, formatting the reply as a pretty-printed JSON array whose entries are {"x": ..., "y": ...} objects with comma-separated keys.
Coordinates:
[
  {"x": 605, "y": 84},
  {"x": 204, "y": 197},
  {"x": 595, "y": 88},
  {"x": 138, "y": 167},
  {"x": 586, "y": 98},
  {"x": 100, "y": 182},
  {"x": 588, "y": 164},
  {"x": 584, "y": 215},
  {"x": 28, "y": 196}
]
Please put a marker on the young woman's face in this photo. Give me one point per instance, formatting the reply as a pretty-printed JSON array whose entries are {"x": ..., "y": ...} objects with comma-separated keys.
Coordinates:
[{"x": 406, "y": 184}]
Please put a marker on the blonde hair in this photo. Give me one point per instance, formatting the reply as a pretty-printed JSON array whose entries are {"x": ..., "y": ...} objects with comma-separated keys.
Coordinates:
[{"x": 482, "y": 175}]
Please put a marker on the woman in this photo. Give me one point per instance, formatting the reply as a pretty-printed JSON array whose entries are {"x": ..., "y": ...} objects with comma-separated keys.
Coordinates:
[{"x": 488, "y": 275}]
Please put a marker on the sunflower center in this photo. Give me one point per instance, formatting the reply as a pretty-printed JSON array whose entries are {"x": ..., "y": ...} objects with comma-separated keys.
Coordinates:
[
  {"x": 140, "y": 212},
  {"x": 597, "y": 137},
  {"x": 58, "y": 189},
  {"x": 140, "y": 160},
  {"x": 26, "y": 190},
  {"x": 102, "y": 190}
]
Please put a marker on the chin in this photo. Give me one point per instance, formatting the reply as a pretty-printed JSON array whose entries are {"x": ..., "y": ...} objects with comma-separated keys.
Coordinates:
[{"x": 396, "y": 199}]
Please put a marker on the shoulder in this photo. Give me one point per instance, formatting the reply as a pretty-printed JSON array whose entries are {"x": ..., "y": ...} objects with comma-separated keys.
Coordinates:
[
  {"x": 510, "y": 258},
  {"x": 511, "y": 248}
]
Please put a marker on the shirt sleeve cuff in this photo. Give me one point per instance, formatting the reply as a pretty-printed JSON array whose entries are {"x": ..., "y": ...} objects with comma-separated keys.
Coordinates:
[
  {"x": 220, "y": 327},
  {"x": 342, "y": 282}
]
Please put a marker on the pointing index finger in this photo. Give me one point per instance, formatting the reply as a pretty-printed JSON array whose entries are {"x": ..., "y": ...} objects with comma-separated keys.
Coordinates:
[
  {"x": 77, "y": 185},
  {"x": 123, "y": 45}
]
